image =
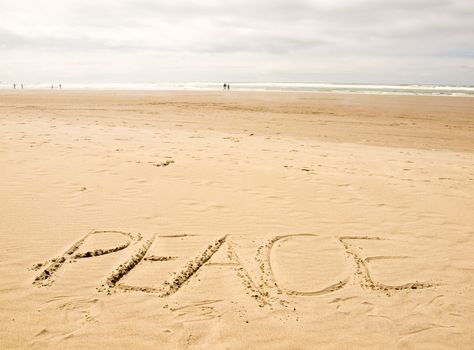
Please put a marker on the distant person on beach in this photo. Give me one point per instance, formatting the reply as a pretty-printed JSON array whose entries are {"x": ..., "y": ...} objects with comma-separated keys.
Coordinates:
[
  {"x": 60, "y": 86},
  {"x": 22, "y": 86},
  {"x": 228, "y": 86},
  {"x": 225, "y": 86},
  {"x": 14, "y": 86}
]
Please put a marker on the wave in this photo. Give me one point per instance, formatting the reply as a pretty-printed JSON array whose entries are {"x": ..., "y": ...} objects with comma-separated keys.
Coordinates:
[{"x": 415, "y": 89}]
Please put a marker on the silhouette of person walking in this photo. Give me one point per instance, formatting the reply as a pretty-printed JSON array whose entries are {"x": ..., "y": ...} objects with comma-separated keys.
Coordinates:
[{"x": 225, "y": 86}]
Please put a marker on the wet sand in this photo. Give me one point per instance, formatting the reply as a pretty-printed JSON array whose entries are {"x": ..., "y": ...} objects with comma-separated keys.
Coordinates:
[{"x": 236, "y": 220}]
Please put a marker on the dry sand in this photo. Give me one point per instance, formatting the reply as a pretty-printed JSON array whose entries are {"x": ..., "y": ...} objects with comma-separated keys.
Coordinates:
[{"x": 217, "y": 220}]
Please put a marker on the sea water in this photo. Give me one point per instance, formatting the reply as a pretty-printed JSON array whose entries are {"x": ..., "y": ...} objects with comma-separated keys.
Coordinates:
[{"x": 448, "y": 90}]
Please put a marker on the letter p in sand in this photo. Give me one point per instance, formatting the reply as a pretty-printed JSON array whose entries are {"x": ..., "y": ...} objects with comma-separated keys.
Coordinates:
[{"x": 73, "y": 252}]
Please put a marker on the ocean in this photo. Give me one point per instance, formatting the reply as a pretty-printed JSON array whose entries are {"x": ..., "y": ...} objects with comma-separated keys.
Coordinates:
[{"x": 448, "y": 90}]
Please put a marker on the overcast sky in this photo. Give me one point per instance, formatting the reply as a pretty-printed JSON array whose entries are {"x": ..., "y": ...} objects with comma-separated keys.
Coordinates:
[{"x": 380, "y": 41}]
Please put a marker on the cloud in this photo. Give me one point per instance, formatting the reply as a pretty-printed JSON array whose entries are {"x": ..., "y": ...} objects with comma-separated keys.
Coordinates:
[{"x": 427, "y": 40}]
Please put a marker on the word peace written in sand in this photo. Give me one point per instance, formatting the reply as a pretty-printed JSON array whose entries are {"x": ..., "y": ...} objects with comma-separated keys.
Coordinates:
[{"x": 264, "y": 289}]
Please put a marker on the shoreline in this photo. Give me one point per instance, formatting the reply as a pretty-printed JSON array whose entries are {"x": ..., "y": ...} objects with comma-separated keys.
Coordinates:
[
  {"x": 398, "y": 90},
  {"x": 241, "y": 90}
]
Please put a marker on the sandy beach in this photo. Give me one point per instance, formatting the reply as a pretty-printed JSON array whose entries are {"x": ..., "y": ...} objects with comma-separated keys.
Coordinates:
[{"x": 236, "y": 220}]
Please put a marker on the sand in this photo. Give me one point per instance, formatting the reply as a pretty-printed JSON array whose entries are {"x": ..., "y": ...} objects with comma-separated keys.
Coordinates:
[{"x": 236, "y": 220}]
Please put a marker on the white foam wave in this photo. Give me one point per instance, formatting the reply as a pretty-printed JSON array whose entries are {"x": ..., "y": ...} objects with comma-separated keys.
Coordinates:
[{"x": 267, "y": 86}]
